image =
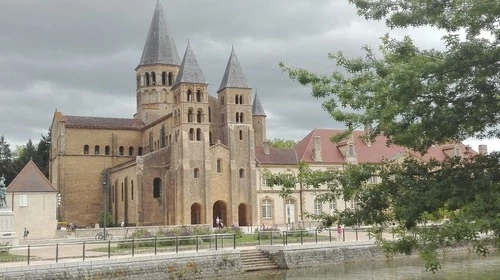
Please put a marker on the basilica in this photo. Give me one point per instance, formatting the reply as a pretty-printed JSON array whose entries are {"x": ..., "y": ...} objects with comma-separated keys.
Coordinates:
[{"x": 190, "y": 156}]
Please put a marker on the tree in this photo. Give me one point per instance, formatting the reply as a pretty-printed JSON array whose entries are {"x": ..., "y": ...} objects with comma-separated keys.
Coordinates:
[
  {"x": 418, "y": 98},
  {"x": 282, "y": 143},
  {"x": 41, "y": 158},
  {"x": 6, "y": 164},
  {"x": 24, "y": 154}
]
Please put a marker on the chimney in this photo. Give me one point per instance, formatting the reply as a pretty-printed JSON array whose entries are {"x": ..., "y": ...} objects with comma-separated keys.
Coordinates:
[
  {"x": 483, "y": 150},
  {"x": 317, "y": 149},
  {"x": 266, "y": 149}
]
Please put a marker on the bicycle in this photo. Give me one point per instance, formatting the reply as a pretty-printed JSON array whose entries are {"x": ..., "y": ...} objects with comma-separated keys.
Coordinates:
[{"x": 100, "y": 236}]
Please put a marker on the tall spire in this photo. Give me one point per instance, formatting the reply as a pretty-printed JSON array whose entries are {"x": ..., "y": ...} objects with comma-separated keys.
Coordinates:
[
  {"x": 233, "y": 76},
  {"x": 190, "y": 71},
  {"x": 160, "y": 46},
  {"x": 257, "y": 109}
]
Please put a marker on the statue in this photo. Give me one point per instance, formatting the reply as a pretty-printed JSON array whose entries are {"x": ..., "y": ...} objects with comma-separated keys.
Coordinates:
[{"x": 3, "y": 193}]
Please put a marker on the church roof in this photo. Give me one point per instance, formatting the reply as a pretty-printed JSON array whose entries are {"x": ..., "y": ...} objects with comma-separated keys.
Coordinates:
[
  {"x": 257, "y": 109},
  {"x": 281, "y": 156},
  {"x": 190, "y": 71},
  {"x": 233, "y": 76},
  {"x": 30, "y": 179},
  {"x": 160, "y": 46},
  {"x": 103, "y": 123}
]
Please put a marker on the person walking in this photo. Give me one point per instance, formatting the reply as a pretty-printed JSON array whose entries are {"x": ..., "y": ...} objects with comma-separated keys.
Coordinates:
[
  {"x": 26, "y": 232},
  {"x": 339, "y": 233}
]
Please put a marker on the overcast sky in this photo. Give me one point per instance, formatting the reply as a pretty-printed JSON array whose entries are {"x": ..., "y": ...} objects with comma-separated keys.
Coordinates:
[{"x": 78, "y": 57}]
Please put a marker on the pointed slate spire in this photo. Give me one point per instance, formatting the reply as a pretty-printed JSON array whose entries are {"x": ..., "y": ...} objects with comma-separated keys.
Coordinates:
[
  {"x": 234, "y": 76},
  {"x": 160, "y": 46},
  {"x": 190, "y": 71},
  {"x": 257, "y": 109}
]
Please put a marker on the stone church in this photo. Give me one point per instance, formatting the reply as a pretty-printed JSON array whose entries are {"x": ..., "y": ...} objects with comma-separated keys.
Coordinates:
[{"x": 186, "y": 157}]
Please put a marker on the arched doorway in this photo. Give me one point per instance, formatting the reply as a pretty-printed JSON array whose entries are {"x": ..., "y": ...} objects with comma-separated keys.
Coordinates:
[
  {"x": 242, "y": 215},
  {"x": 219, "y": 210},
  {"x": 195, "y": 214}
]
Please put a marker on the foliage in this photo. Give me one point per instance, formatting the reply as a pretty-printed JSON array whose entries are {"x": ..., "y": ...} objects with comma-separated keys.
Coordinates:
[
  {"x": 418, "y": 98},
  {"x": 6, "y": 164},
  {"x": 109, "y": 219},
  {"x": 230, "y": 230},
  {"x": 282, "y": 143}
]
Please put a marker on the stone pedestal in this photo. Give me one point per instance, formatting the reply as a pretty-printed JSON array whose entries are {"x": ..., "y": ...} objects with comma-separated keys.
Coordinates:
[{"x": 8, "y": 236}]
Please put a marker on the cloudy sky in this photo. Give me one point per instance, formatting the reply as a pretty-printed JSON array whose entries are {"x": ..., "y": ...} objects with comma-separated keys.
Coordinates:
[{"x": 78, "y": 57}]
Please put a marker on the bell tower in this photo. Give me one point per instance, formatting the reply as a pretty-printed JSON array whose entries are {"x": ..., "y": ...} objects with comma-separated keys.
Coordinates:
[{"x": 157, "y": 70}]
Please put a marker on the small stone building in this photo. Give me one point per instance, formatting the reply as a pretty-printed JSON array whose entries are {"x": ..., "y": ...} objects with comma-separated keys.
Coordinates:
[{"x": 33, "y": 201}]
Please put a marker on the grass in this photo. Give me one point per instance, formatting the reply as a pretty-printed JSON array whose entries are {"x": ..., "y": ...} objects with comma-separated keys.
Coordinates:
[{"x": 8, "y": 257}]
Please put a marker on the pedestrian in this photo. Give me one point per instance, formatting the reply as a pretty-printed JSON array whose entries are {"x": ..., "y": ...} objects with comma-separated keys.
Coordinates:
[
  {"x": 26, "y": 232},
  {"x": 339, "y": 232}
]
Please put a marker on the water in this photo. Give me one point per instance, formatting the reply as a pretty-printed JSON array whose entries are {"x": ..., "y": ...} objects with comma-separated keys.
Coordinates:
[{"x": 456, "y": 267}]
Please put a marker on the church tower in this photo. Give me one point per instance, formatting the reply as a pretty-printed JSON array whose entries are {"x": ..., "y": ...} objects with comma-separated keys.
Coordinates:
[
  {"x": 237, "y": 134},
  {"x": 190, "y": 146},
  {"x": 157, "y": 70},
  {"x": 259, "y": 121}
]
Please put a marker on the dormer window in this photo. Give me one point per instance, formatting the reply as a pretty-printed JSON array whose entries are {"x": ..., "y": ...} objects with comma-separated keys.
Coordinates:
[{"x": 350, "y": 149}]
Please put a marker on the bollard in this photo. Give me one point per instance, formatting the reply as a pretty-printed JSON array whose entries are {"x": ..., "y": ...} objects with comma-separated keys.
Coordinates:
[
  {"x": 29, "y": 254},
  {"x": 83, "y": 250},
  {"x": 133, "y": 246},
  {"x": 216, "y": 242},
  {"x": 301, "y": 237},
  {"x": 57, "y": 252},
  {"x": 234, "y": 240},
  {"x": 109, "y": 249},
  {"x": 176, "y": 244}
]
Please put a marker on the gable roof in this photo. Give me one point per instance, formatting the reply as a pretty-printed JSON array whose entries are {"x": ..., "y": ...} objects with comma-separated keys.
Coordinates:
[
  {"x": 373, "y": 152},
  {"x": 103, "y": 123},
  {"x": 30, "y": 179},
  {"x": 160, "y": 45}
]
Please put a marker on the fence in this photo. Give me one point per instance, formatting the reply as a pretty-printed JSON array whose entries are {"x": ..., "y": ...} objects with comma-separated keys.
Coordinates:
[{"x": 122, "y": 247}]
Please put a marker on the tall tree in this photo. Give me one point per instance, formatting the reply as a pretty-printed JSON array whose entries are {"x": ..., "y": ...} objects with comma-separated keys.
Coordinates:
[
  {"x": 417, "y": 98},
  {"x": 6, "y": 163},
  {"x": 42, "y": 154},
  {"x": 282, "y": 143},
  {"x": 24, "y": 154}
]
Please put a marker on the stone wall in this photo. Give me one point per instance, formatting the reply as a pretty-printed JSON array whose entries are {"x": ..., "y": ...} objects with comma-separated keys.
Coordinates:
[{"x": 181, "y": 266}]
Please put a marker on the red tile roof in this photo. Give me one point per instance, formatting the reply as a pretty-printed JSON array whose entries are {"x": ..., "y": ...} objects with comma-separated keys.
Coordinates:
[
  {"x": 284, "y": 156},
  {"x": 30, "y": 179},
  {"x": 373, "y": 153},
  {"x": 103, "y": 123}
]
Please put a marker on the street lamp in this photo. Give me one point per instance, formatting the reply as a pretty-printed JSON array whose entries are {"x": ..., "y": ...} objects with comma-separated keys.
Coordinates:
[{"x": 105, "y": 213}]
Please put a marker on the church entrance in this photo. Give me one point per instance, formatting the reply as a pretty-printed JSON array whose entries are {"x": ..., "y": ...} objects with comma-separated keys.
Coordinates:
[
  {"x": 242, "y": 215},
  {"x": 219, "y": 211},
  {"x": 195, "y": 214}
]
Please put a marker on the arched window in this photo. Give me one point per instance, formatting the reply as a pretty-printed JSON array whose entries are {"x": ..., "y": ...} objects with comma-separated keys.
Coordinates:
[
  {"x": 242, "y": 173},
  {"x": 196, "y": 173},
  {"x": 164, "y": 78},
  {"x": 86, "y": 149},
  {"x": 132, "y": 190},
  {"x": 266, "y": 209},
  {"x": 198, "y": 134},
  {"x": 236, "y": 99},
  {"x": 189, "y": 95},
  {"x": 199, "y": 116},
  {"x": 219, "y": 165},
  {"x": 153, "y": 78},
  {"x": 138, "y": 81},
  {"x": 241, "y": 117},
  {"x": 191, "y": 134},
  {"x": 121, "y": 151},
  {"x": 237, "y": 117},
  {"x": 130, "y": 151},
  {"x": 107, "y": 150},
  {"x": 241, "y": 99},
  {"x": 190, "y": 115},
  {"x": 198, "y": 95},
  {"x": 157, "y": 188},
  {"x": 146, "y": 77},
  {"x": 97, "y": 150},
  {"x": 241, "y": 134},
  {"x": 170, "y": 78}
]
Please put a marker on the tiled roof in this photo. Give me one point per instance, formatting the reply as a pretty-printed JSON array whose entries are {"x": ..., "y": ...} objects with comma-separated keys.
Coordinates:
[
  {"x": 257, "y": 109},
  {"x": 283, "y": 156},
  {"x": 30, "y": 179},
  {"x": 190, "y": 71},
  {"x": 233, "y": 76},
  {"x": 373, "y": 152},
  {"x": 103, "y": 123},
  {"x": 160, "y": 46}
]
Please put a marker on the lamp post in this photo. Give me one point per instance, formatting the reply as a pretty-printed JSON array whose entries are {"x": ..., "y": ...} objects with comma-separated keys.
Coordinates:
[{"x": 105, "y": 213}]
